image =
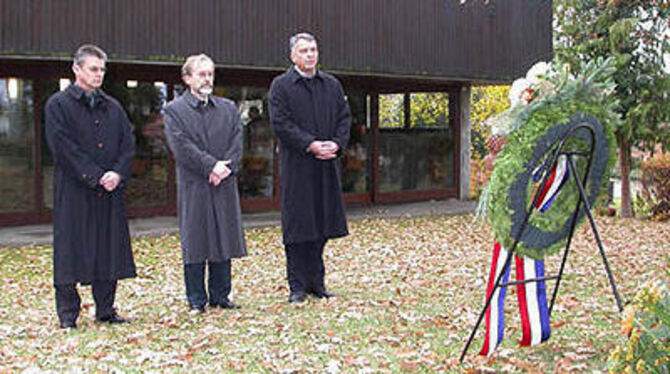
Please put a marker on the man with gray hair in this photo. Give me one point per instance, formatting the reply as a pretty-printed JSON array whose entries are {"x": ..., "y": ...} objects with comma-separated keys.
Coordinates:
[
  {"x": 205, "y": 135},
  {"x": 311, "y": 118},
  {"x": 91, "y": 143}
]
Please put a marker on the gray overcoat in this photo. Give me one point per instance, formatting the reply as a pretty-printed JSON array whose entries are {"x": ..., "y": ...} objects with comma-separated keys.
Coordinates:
[
  {"x": 210, "y": 220},
  {"x": 301, "y": 111}
]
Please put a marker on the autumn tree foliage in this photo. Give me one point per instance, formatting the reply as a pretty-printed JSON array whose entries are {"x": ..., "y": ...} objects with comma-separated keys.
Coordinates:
[
  {"x": 486, "y": 102},
  {"x": 636, "y": 33}
]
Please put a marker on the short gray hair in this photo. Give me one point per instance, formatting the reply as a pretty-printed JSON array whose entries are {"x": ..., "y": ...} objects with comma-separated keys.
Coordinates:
[
  {"x": 88, "y": 50},
  {"x": 191, "y": 61},
  {"x": 299, "y": 36}
]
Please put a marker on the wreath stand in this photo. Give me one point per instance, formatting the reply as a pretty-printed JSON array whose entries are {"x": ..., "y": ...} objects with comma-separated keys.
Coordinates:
[{"x": 583, "y": 198}]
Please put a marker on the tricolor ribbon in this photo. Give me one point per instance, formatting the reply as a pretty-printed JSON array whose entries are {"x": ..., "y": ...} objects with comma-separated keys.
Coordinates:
[
  {"x": 495, "y": 314},
  {"x": 531, "y": 296},
  {"x": 559, "y": 175}
]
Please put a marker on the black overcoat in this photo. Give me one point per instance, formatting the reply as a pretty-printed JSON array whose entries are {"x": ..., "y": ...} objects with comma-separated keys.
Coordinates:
[
  {"x": 91, "y": 239},
  {"x": 303, "y": 110},
  {"x": 210, "y": 217}
]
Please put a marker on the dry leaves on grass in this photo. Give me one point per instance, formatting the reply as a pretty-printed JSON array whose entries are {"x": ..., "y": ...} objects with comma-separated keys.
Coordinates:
[{"x": 408, "y": 293}]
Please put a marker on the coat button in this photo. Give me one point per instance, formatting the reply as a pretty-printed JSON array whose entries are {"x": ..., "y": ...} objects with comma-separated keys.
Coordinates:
[
  {"x": 97, "y": 122},
  {"x": 100, "y": 194},
  {"x": 100, "y": 145}
]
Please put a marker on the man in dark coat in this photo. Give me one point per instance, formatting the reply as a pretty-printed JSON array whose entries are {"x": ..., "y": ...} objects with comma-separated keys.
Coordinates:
[
  {"x": 205, "y": 135},
  {"x": 311, "y": 118},
  {"x": 92, "y": 147}
]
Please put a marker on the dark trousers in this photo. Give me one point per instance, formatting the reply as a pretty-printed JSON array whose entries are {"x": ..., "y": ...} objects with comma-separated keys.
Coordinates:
[
  {"x": 218, "y": 283},
  {"x": 304, "y": 266},
  {"x": 68, "y": 302}
]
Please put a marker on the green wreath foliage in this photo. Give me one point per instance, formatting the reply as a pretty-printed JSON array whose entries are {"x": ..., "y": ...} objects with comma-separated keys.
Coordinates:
[{"x": 512, "y": 161}]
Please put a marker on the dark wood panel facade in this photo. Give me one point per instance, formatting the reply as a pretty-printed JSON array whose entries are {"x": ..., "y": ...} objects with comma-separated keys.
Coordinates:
[
  {"x": 437, "y": 39},
  {"x": 375, "y": 47}
]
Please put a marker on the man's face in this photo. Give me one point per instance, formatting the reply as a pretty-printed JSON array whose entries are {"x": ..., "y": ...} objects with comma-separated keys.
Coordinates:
[
  {"x": 90, "y": 74},
  {"x": 201, "y": 79},
  {"x": 305, "y": 55}
]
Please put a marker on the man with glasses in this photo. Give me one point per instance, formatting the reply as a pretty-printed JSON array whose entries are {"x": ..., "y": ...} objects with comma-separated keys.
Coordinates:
[{"x": 91, "y": 142}]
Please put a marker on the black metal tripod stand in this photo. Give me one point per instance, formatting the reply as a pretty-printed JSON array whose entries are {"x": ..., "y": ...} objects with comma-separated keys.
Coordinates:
[{"x": 580, "y": 182}]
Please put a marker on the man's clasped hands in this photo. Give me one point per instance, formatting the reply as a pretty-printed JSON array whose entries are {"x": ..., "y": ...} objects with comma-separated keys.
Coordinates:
[{"x": 220, "y": 172}]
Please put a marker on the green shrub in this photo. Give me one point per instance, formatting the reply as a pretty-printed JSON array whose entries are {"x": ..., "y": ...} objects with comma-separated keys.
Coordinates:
[
  {"x": 642, "y": 206},
  {"x": 656, "y": 185},
  {"x": 645, "y": 347}
]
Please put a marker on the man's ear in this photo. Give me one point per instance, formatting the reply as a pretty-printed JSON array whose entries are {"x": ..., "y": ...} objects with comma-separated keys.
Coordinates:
[
  {"x": 76, "y": 69},
  {"x": 186, "y": 79}
]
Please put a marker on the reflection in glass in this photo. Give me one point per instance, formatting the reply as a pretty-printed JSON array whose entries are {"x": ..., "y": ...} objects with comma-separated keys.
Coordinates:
[
  {"x": 355, "y": 166},
  {"x": 420, "y": 159},
  {"x": 257, "y": 171},
  {"x": 16, "y": 139},
  {"x": 46, "y": 89},
  {"x": 416, "y": 153},
  {"x": 143, "y": 102}
]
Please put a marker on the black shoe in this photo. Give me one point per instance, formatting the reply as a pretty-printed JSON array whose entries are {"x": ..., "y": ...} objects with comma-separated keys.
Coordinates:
[
  {"x": 199, "y": 309},
  {"x": 297, "y": 297},
  {"x": 322, "y": 294},
  {"x": 113, "y": 318},
  {"x": 68, "y": 325},
  {"x": 226, "y": 304}
]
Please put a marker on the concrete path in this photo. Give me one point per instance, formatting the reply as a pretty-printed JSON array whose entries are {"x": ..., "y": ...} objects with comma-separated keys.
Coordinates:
[{"x": 155, "y": 226}]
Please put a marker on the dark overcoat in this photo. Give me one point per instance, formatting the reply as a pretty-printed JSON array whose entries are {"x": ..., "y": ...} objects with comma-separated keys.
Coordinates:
[
  {"x": 303, "y": 110},
  {"x": 91, "y": 239},
  {"x": 210, "y": 218}
]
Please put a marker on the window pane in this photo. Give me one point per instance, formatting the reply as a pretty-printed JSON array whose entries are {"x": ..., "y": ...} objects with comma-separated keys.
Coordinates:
[
  {"x": 257, "y": 171},
  {"x": 420, "y": 155},
  {"x": 429, "y": 109},
  {"x": 47, "y": 88},
  {"x": 16, "y": 139},
  {"x": 355, "y": 165},
  {"x": 391, "y": 111},
  {"x": 143, "y": 102}
]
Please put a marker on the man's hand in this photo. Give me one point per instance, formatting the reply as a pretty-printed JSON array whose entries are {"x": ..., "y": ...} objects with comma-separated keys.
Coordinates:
[
  {"x": 220, "y": 172},
  {"x": 314, "y": 147},
  {"x": 330, "y": 149},
  {"x": 214, "y": 179},
  {"x": 110, "y": 180},
  {"x": 324, "y": 150}
]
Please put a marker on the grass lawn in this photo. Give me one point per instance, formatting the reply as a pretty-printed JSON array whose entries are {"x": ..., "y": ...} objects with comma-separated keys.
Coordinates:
[{"x": 408, "y": 293}]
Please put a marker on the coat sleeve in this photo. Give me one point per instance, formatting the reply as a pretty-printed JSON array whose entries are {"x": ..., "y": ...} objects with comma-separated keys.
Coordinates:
[
  {"x": 343, "y": 121},
  {"x": 284, "y": 127},
  {"x": 65, "y": 149},
  {"x": 185, "y": 150},
  {"x": 234, "y": 153},
  {"x": 124, "y": 161}
]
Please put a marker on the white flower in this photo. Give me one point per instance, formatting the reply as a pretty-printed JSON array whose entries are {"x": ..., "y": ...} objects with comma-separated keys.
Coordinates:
[
  {"x": 333, "y": 367},
  {"x": 517, "y": 90},
  {"x": 501, "y": 124},
  {"x": 540, "y": 69}
]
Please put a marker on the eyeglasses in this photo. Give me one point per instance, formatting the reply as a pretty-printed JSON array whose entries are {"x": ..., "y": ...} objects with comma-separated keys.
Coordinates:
[{"x": 95, "y": 69}]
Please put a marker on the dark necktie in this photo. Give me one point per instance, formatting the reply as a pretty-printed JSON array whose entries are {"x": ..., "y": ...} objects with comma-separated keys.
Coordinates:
[{"x": 91, "y": 100}]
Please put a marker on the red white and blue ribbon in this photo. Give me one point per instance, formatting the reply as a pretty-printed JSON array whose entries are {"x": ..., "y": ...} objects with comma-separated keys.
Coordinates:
[
  {"x": 559, "y": 175},
  {"x": 495, "y": 314},
  {"x": 532, "y": 298}
]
